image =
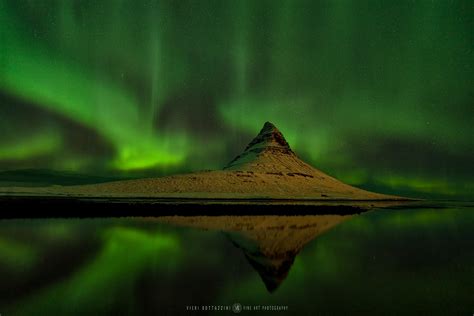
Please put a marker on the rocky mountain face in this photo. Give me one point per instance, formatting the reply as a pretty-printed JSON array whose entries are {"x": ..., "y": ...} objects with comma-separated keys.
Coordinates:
[
  {"x": 269, "y": 152},
  {"x": 269, "y": 139}
]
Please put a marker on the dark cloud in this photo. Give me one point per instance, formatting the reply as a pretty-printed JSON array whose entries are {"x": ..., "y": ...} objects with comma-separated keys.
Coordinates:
[
  {"x": 411, "y": 156},
  {"x": 19, "y": 117},
  {"x": 193, "y": 112}
]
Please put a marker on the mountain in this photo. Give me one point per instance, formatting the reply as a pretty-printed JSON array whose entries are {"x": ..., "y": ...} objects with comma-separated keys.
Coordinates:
[
  {"x": 46, "y": 177},
  {"x": 267, "y": 169}
]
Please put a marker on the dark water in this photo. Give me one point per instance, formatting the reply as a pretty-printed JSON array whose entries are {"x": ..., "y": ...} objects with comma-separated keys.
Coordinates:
[{"x": 391, "y": 261}]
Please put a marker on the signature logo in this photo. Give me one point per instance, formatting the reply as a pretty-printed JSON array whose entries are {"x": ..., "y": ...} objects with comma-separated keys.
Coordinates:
[{"x": 237, "y": 308}]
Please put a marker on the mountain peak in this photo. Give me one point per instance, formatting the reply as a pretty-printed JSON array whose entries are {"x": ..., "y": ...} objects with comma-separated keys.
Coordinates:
[
  {"x": 269, "y": 136},
  {"x": 267, "y": 152},
  {"x": 269, "y": 126}
]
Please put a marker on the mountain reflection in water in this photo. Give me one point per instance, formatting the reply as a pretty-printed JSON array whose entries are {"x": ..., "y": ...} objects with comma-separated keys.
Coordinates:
[{"x": 269, "y": 243}]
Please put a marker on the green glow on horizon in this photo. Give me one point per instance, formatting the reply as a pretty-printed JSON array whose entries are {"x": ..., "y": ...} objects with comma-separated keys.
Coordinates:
[
  {"x": 35, "y": 146},
  {"x": 147, "y": 156},
  {"x": 427, "y": 185}
]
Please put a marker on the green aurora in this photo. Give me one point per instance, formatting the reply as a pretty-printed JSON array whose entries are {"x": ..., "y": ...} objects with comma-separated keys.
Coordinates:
[{"x": 376, "y": 93}]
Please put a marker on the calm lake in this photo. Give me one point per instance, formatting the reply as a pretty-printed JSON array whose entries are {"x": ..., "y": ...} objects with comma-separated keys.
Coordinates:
[{"x": 387, "y": 261}]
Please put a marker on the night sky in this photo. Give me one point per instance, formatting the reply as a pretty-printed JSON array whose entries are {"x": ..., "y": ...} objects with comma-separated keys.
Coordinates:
[{"x": 376, "y": 93}]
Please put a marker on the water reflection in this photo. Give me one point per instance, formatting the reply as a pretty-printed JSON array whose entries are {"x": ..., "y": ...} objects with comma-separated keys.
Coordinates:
[
  {"x": 422, "y": 259},
  {"x": 269, "y": 243}
]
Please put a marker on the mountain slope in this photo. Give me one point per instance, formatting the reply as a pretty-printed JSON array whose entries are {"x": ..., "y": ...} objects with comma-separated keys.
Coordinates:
[{"x": 267, "y": 168}]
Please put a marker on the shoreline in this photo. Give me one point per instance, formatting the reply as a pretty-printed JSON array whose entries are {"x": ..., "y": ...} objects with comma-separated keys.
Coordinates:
[{"x": 85, "y": 207}]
